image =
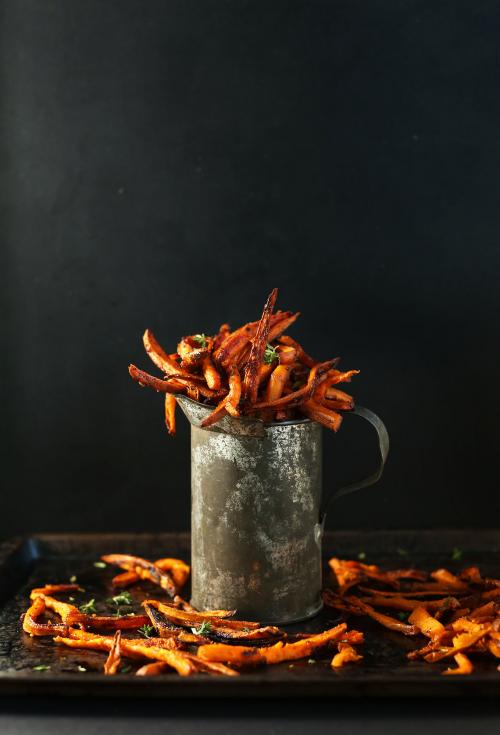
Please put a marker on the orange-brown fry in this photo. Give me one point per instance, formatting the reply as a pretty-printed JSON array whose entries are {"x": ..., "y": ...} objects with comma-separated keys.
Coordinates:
[
  {"x": 170, "y": 406},
  {"x": 277, "y": 382},
  {"x": 160, "y": 358},
  {"x": 251, "y": 373},
  {"x": 426, "y": 623},
  {"x": 34, "y": 628},
  {"x": 114, "y": 659},
  {"x": 321, "y": 414},
  {"x": 212, "y": 375},
  {"x": 229, "y": 403},
  {"x": 144, "y": 568},
  {"x": 464, "y": 665},
  {"x": 346, "y": 654},
  {"x": 177, "y": 568},
  {"x": 190, "y": 619},
  {"x": 304, "y": 358},
  {"x": 244, "y": 655},
  {"x": 160, "y": 386}
]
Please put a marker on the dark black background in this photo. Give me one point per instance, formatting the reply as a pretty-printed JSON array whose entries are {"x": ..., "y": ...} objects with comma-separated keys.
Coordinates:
[{"x": 165, "y": 163}]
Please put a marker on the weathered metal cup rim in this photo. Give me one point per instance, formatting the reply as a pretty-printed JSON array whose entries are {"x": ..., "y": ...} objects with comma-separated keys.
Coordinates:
[{"x": 195, "y": 412}]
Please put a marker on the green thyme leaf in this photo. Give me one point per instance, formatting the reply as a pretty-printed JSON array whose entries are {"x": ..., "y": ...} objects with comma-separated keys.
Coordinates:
[
  {"x": 201, "y": 340},
  {"x": 402, "y": 615},
  {"x": 361, "y": 555},
  {"x": 456, "y": 554},
  {"x": 205, "y": 627},
  {"x": 100, "y": 564},
  {"x": 124, "y": 598},
  {"x": 146, "y": 630},
  {"x": 41, "y": 667},
  {"x": 88, "y": 607},
  {"x": 271, "y": 354},
  {"x": 125, "y": 669}
]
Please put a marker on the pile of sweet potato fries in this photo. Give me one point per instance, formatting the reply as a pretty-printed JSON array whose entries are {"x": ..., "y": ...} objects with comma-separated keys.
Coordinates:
[
  {"x": 255, "y": 370},
  {"x": 458, "y": 614},
  {"x": 176, "y": 635}
]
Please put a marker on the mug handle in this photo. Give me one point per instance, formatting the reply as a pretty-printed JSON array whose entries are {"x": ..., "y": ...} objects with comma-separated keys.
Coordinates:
[{"x": 383, "y": 443}]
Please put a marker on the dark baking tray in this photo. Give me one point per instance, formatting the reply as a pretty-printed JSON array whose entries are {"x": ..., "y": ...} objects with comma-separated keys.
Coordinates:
[{"x": 385, "y": 671}]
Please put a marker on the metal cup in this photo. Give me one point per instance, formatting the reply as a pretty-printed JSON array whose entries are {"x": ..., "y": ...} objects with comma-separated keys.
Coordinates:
[{"x": 257, "y": 514}]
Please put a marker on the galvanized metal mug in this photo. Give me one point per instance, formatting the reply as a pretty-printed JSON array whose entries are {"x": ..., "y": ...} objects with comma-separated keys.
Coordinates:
[{"x": 258, "y": 513}]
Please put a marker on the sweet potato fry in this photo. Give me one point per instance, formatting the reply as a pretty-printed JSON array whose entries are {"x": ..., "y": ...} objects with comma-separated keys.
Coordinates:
[
  {"x": 230, "y": 403},
  {"x": 64, "y": 609},
  {"x": 334, "y": 394},
  {"x": 71, "y": 615},
  {"x": 109, "y": 622},
  {"x": 211, "y": 374},
  {"x": 210, "y": 667},
  {"x": 178, "y": 570},
  {"x": 426, "y": 623},
  {"x": 53, "y": 589},
  {"x": 356, "y": 606},
  {"x": 336, "y": 376},
  {"x": 160, "y": 358},
  {"x": 398, "y": 602},
  {"x": 287, "y": 355},
  {"x": 170, "y": 406},
  {"x": 144, "y": 569},
  {"x": 114, "y": 659},
  {"x": 158, "y": 667},
  {"x": 464, "y": 665},
  {"x": 461, "y": 642},
  {"x": 160, "y": 386},
  {"x": 244, "y": 655},
  {"x": 346, "y": 654},
  {"x": 277, "y": 382},
  {"x": 354, "y": 572},
  {"x": 301, "y": 355},
  {"x": 193, "y": 619},
  {"x": 250, "y": 377},
  {"x": 346, "y": 576},
  {"x": 447, "y": 579},
  {"x": 321, "y": 414},
  {"x": 34, "y": 628},
  {"x": 166, "y": 629},
  {"x": 191, "y": 354}
]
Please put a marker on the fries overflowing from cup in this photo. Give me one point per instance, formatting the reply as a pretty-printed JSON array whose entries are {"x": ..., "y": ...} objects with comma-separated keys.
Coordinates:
[{"x": 256, "y": 370}]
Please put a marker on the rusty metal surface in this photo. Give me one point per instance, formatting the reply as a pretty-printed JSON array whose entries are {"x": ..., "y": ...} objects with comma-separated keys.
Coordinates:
[
  {"x": 384, "y": 672},
  {"x": 255, "y": 507}
]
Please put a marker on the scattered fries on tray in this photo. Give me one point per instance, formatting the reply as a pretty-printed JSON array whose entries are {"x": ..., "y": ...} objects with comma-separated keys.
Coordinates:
[
  {"x": 256, "y": 370},
  {"x": 454, "y": 618},
  {"x": 175, "y": 636},
  {"x": 459, "y": 615}
]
